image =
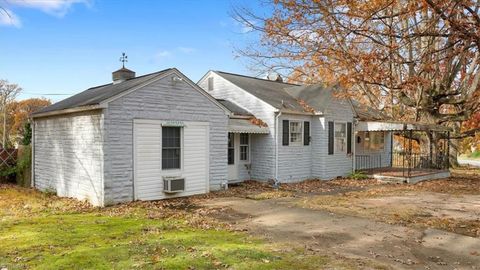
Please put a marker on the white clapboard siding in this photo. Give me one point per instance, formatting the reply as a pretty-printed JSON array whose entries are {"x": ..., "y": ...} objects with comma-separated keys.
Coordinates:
[
  {"x": 68, "y": 155},
  {"x": 262, "y": 146},
  {"x": 148, "y": 160},
  {"x": 160, "y": 100}
]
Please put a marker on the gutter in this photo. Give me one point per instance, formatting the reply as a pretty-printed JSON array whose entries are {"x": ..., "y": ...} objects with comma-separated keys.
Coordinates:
[
  {"x": 67, "y": 111},
  {"x": 300, "y": 113},
  {"x": 276, "y": 144}
]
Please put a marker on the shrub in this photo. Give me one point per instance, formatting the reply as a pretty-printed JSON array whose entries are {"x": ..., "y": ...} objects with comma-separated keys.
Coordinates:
[{"x": 358, "y": 175}]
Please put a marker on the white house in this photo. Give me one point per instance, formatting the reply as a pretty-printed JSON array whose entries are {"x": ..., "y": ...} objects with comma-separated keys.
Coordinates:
[
  {"x": 119, "y": 142},
  {"x": 311, "y": 129},
  {"x": 161, "y": 135}
]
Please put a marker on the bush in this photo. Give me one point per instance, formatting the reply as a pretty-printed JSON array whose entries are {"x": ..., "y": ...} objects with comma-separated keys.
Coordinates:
[
  {"x": 357, "y": 175},
  {"x": 21, "y": 169}
]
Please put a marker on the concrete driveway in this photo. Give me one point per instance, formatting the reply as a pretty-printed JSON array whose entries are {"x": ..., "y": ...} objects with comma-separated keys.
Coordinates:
[
  {"x": 394, "y": 246},
  {"x": 471, "y": 162}
]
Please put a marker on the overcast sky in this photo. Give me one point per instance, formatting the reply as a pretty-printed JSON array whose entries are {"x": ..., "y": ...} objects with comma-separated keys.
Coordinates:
[{"x": 66, "y": 46}]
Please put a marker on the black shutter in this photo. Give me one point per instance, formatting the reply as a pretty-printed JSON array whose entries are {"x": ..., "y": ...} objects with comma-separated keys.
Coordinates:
[
  {"x": 331, "y": 133},
  {"x": 349, "y": 138},
  {"x": 306, "y": 133},
  {"x": 286, "y": 132}
]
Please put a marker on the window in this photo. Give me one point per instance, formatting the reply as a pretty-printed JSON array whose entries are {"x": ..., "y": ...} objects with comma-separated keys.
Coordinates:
[
  {"x": 244, "y": 146},
  {"x": 295, "y": 132},
  {"x": 210, "y": 84},
  {"x": 340, "y": 137},
  {"x": 374, "y": 141},
  {"x": 171, "y": 148},
  {"x": 231, "y": 148}
]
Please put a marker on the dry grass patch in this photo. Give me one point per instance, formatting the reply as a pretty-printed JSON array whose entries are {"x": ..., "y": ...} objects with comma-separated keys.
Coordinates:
[{"x": 275, "y": 194}]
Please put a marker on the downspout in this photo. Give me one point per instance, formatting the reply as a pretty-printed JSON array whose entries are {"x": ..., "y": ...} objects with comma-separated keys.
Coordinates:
[{"x": 276, "y": 144}]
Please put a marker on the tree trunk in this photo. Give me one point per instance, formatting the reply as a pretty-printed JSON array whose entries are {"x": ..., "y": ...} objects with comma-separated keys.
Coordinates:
[{"x": 454, "y": 147}]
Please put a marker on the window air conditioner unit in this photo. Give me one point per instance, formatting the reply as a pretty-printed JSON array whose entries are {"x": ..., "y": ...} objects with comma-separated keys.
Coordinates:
[{"x": 173, "y": 184}]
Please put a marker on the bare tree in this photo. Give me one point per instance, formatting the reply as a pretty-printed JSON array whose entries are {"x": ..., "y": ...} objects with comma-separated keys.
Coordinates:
[{"x": 8, "y": 93}]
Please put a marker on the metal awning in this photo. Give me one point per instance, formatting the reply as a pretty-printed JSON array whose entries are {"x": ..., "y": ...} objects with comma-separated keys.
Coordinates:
[
  {"x": 245, "y": 126},
  {"x": 397, "y": 126}
]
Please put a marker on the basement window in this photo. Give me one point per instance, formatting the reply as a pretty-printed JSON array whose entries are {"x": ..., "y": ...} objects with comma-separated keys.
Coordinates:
[{"x": 171, "y": 148}]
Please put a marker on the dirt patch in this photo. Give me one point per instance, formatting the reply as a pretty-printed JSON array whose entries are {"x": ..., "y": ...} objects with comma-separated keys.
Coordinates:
[
  {"x": 459, "y": 214},
  {"x": 447, "y": 204},
  {"x": 399, "y": 247},
  {"x": 427, "y": 225}
]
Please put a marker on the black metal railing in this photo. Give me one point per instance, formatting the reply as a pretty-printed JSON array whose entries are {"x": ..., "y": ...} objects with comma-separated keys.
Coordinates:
[{"x": 401, "y": 160}]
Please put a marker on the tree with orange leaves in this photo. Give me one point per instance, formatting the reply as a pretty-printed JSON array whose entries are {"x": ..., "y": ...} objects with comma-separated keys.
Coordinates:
[
  {"x": 415, "y": 60},
  {"x": 18, "y": 115}
]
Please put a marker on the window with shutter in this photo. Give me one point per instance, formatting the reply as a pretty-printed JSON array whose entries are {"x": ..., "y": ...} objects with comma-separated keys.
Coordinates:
[
  {"x": 295, "y": 133},
  {"x": 285, "y": 133},
  {"x": 331, "y": 130},
  {"x": 306, "y": 133},
  {"x": 340, "y": 138}
]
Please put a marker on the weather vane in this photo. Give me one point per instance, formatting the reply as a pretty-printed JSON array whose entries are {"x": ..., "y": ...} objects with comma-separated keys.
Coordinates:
[{"x": 123, "y": 59}]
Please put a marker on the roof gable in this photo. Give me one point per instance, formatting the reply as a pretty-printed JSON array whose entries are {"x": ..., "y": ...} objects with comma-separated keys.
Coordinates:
[
  {"x": 271, "y": 92},
  {"x": 99, "y": 95}
]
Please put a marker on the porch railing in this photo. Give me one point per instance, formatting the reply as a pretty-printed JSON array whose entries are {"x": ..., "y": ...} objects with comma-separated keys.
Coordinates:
[
  {"x": 401, "y": 160},
  {"x": 363, "y": 162}
]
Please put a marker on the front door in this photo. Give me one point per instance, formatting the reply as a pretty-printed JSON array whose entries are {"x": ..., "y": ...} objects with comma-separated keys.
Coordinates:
[{"x": 238, "y": 156}]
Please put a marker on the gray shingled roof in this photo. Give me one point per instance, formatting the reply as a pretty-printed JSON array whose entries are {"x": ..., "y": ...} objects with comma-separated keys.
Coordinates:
[
  {"x": 236, "y": 109},
  {"x": 287, "y": 96},
  {"x": 95, "y": 95},
  {"x": 316, "y": 96},
  {"x": 271, "y": 92}
]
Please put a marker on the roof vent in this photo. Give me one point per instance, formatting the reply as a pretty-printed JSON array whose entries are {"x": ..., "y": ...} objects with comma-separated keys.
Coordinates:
[
  {"x": 274, "y": 76},
  {"x": 122, "y": 74},
  {"x": 279, "y": 78}
]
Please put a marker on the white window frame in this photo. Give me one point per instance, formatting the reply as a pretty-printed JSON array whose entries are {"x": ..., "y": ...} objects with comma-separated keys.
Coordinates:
[
  {"x": 335, "y": 137},
  {"x": 240, "y": 148},
  {"x": 295, "y": 143},
  {"x": 181, "y": 150}
]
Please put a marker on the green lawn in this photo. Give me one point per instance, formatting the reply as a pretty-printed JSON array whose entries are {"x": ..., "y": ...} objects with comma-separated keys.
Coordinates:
[
  {"x": 41, "y": 231},
  {"x": 475, "y": 156}
]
